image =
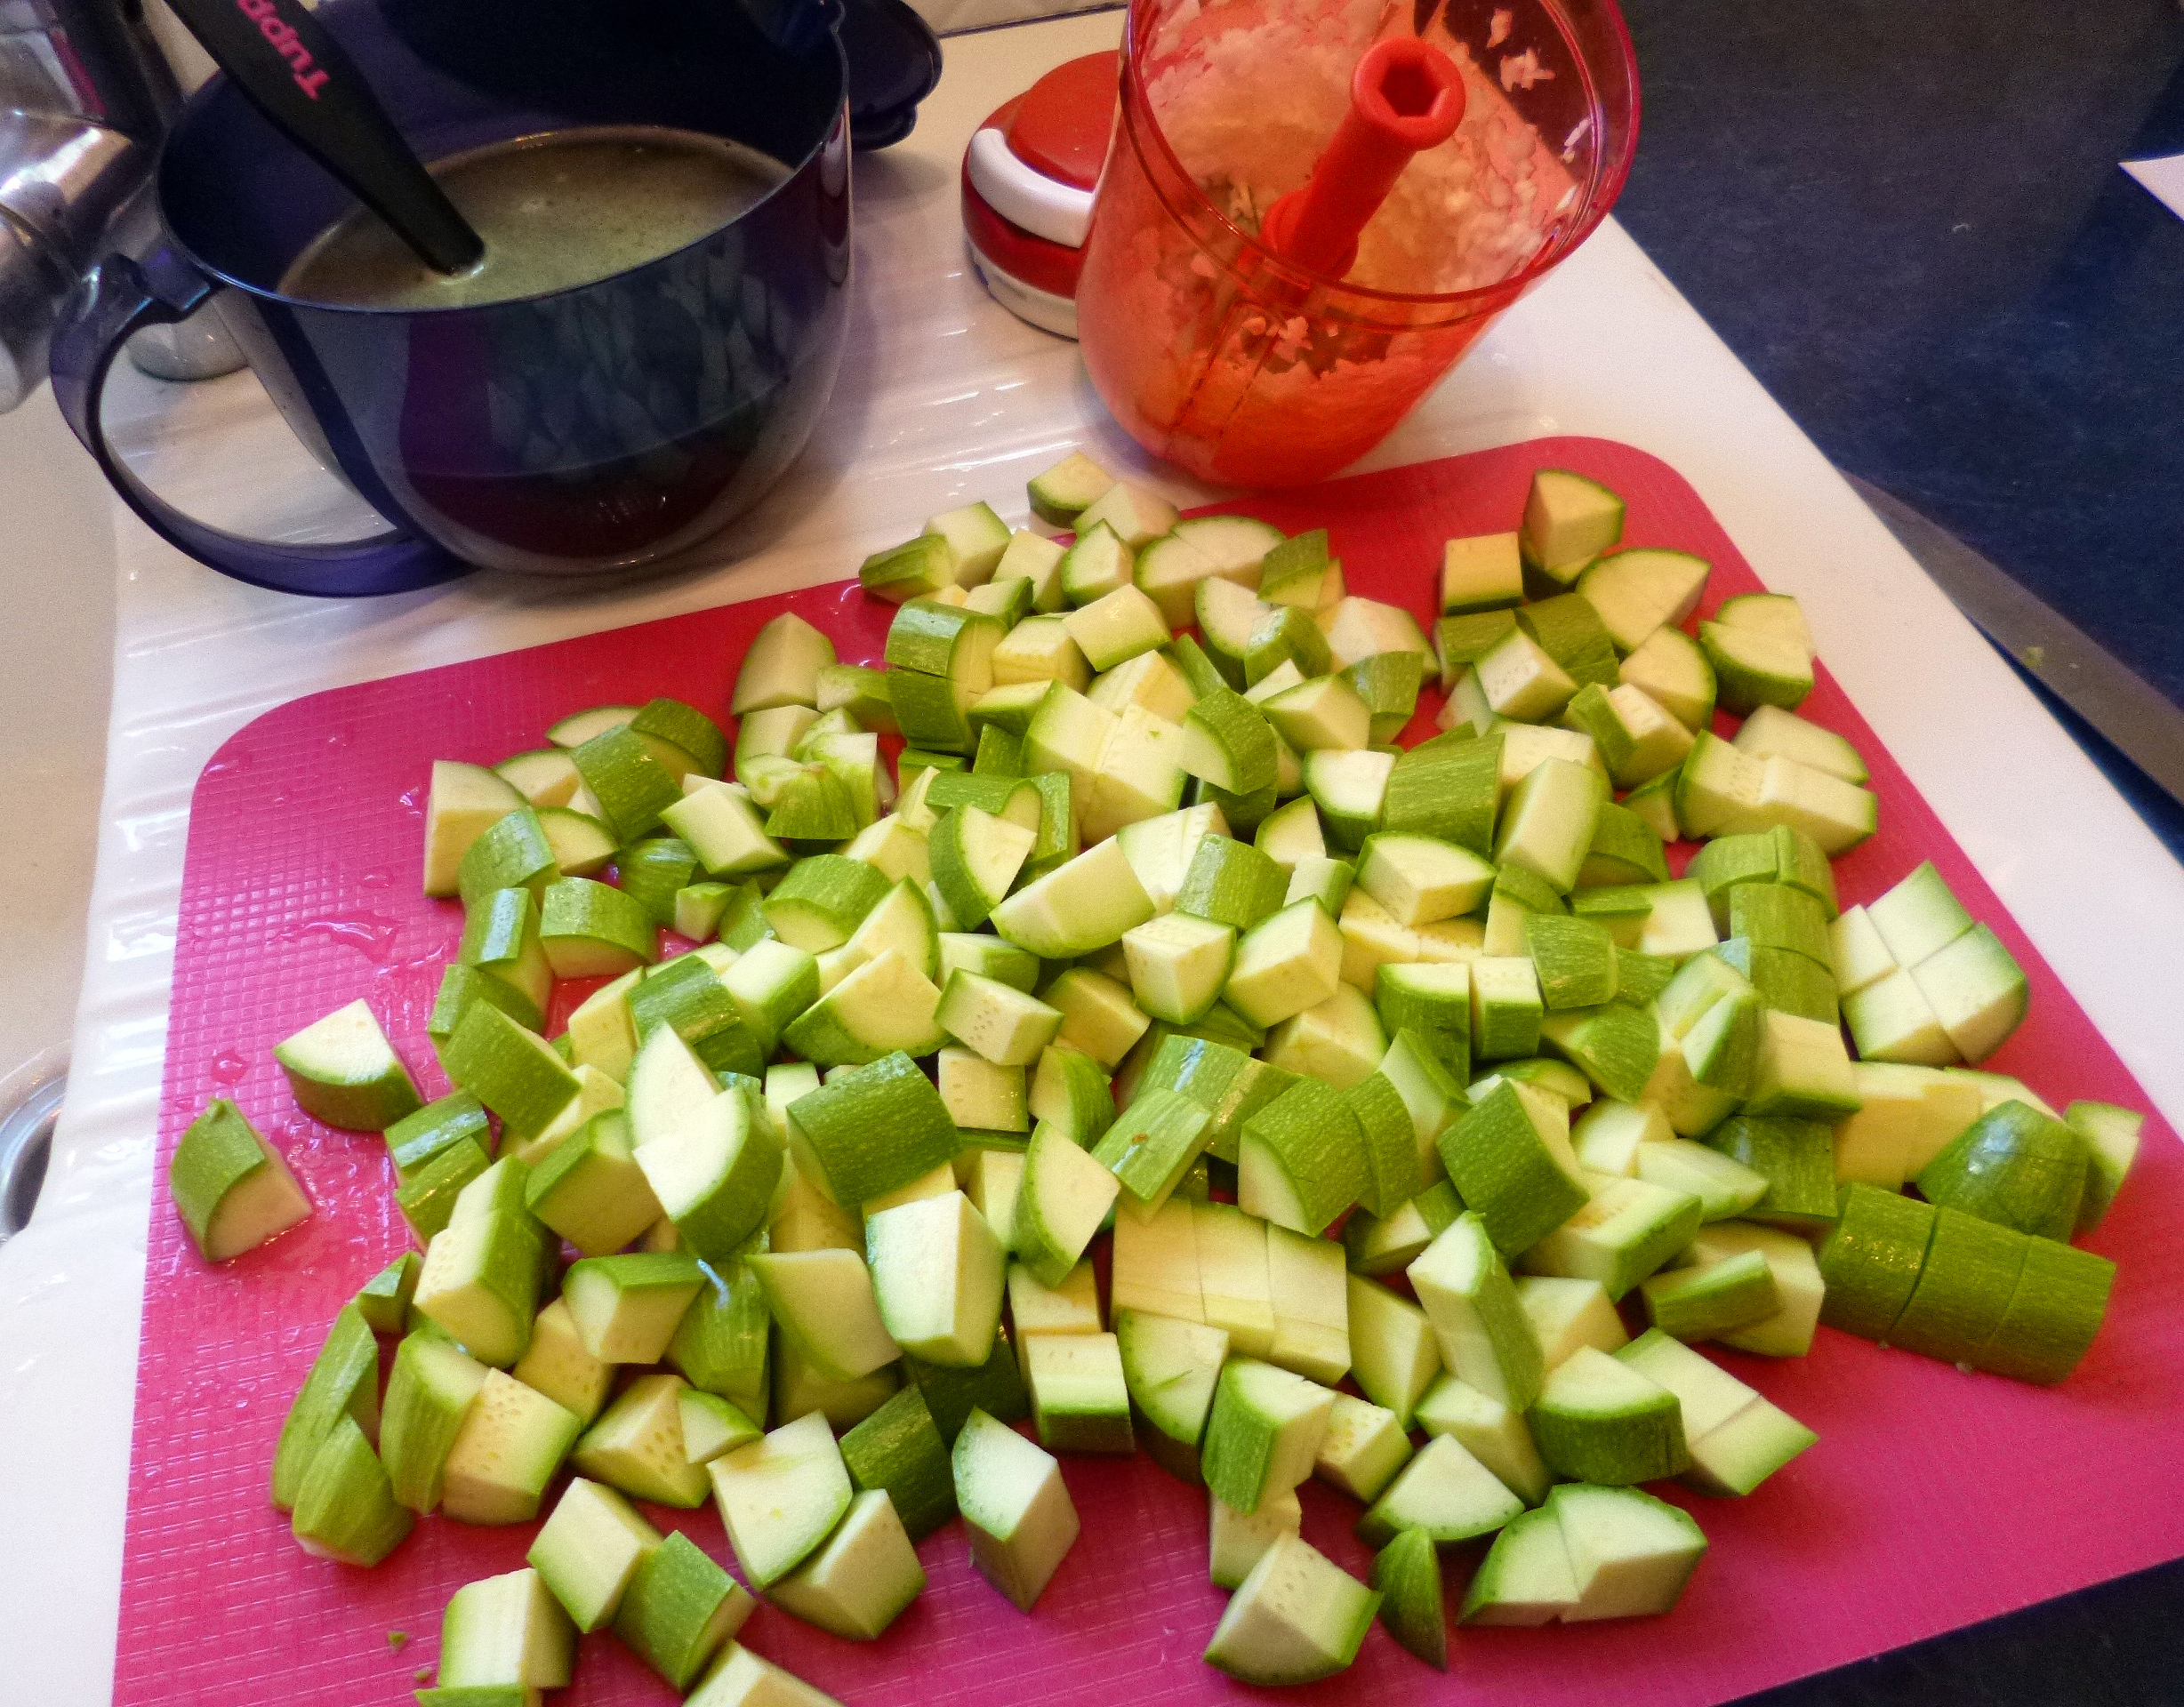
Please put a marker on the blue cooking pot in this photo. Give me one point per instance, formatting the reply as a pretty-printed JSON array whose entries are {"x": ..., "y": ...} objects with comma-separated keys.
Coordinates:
[{"x": 585, "y": 430}]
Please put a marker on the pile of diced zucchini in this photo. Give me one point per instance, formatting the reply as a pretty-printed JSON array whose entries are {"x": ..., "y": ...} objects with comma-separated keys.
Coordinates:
[{"x": 1398, "y": 1079}]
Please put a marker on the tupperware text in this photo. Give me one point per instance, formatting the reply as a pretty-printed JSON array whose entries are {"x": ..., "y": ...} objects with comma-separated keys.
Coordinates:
[{"x": 309, "y": 78}]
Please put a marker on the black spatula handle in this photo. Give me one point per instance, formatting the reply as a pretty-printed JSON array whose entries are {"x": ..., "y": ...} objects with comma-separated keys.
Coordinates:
[{"x": 298, "y": 76}]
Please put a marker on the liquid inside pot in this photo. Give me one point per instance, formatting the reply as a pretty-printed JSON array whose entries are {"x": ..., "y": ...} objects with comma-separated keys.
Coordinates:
[{"x": 556, "y": 211}]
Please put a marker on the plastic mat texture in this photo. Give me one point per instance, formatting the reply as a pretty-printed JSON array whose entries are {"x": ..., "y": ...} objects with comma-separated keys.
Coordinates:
[{"x": 1934, "y": 1498}]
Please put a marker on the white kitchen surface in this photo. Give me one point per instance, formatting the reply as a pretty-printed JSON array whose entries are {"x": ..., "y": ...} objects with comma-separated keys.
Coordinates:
[
  {"x": 56, "y": 665},
  {"x": 2163, "y": 178},
  {"x": 956, "y": 17},
  {"x": 943, "y": 398}
]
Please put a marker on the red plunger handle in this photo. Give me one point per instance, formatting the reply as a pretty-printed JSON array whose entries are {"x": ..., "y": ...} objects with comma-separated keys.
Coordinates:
[{"x": 1405, "y": 95}]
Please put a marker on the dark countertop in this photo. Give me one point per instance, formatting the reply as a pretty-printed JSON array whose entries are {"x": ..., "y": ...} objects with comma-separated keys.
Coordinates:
[{"x": 1908, "y": 221}]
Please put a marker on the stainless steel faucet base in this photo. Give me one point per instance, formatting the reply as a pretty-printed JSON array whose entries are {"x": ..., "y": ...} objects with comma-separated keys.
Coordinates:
[
  {"x": 63, "y": 182},
  {"x": 84, "y": 95}
]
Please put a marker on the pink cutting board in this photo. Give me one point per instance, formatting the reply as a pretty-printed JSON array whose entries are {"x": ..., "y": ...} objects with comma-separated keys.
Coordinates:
[{"x": 1933, "y": 1499}]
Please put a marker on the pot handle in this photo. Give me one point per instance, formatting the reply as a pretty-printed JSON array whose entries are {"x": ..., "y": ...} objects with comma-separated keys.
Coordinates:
[{"x": 120, "y": 298}]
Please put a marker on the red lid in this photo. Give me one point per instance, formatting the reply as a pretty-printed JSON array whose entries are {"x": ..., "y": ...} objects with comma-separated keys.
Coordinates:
[{"x": 1062, "y": 123}]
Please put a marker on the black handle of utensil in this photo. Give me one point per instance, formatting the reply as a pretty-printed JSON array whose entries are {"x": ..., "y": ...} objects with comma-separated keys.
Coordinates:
[{"x": 299, "y": 76}]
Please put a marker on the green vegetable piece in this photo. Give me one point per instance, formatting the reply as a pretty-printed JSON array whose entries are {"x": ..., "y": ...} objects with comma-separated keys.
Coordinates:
[
  {"x": 1232, "y": 883},
  {"x": 1871, "y": 1258},
  {"x": 384, "y": 1299},
  {"x": 232, "y": 1189},
  {"x": 1447, "y": 787},
  {"x": 995, "y": 1387},
  {"x": 1574, "y": 960},
  {"x": 1406, "y": 1572},
  {"x": 344, "y": 1382},
  {"x": 415, "y": 1139},
  {"x": 898, "y": 1450},
  {"x": 1230, "y": 1085},
  {"x": 678, "y": 1608},
  {"x": 1640, "y": 977},
  {"x": 1697, "y": 1303},
  {"x": 2062, "y": 1295},
  {"x": 1774, "y": 915},
  {"x": 1963, "y": 1290},
  {"x": 1301, "y": 1160},
  {"x": 631, "y": 786},
  {"x": 687, "y": 997},
  {"x": 345, "y": 1511},
  {"x": 869, "y": 1131},
  {"x": 462, "y": 985},
  {"x": 719, "y": 1345},
  {"x": 1569, "y": 630},
  {"x": 427, "y": 1199},
  {"x": 693, "y": 740},
  {"x": 1602, "y": 1421},
  {"x": 1616, "y": 1047},
  {"x": 1388, "y": 682},
  {"x": 2013, "y": 1166},
  {"x": 1509, "y": 1160},
  {"x": 1797, "y": 1157},
  {"x": 653, "y": 871},
  {"x": 2111, "y": 1135}
]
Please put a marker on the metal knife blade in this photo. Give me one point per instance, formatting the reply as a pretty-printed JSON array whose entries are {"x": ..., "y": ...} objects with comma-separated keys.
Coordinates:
[{"x": 2137, "y": 718}]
